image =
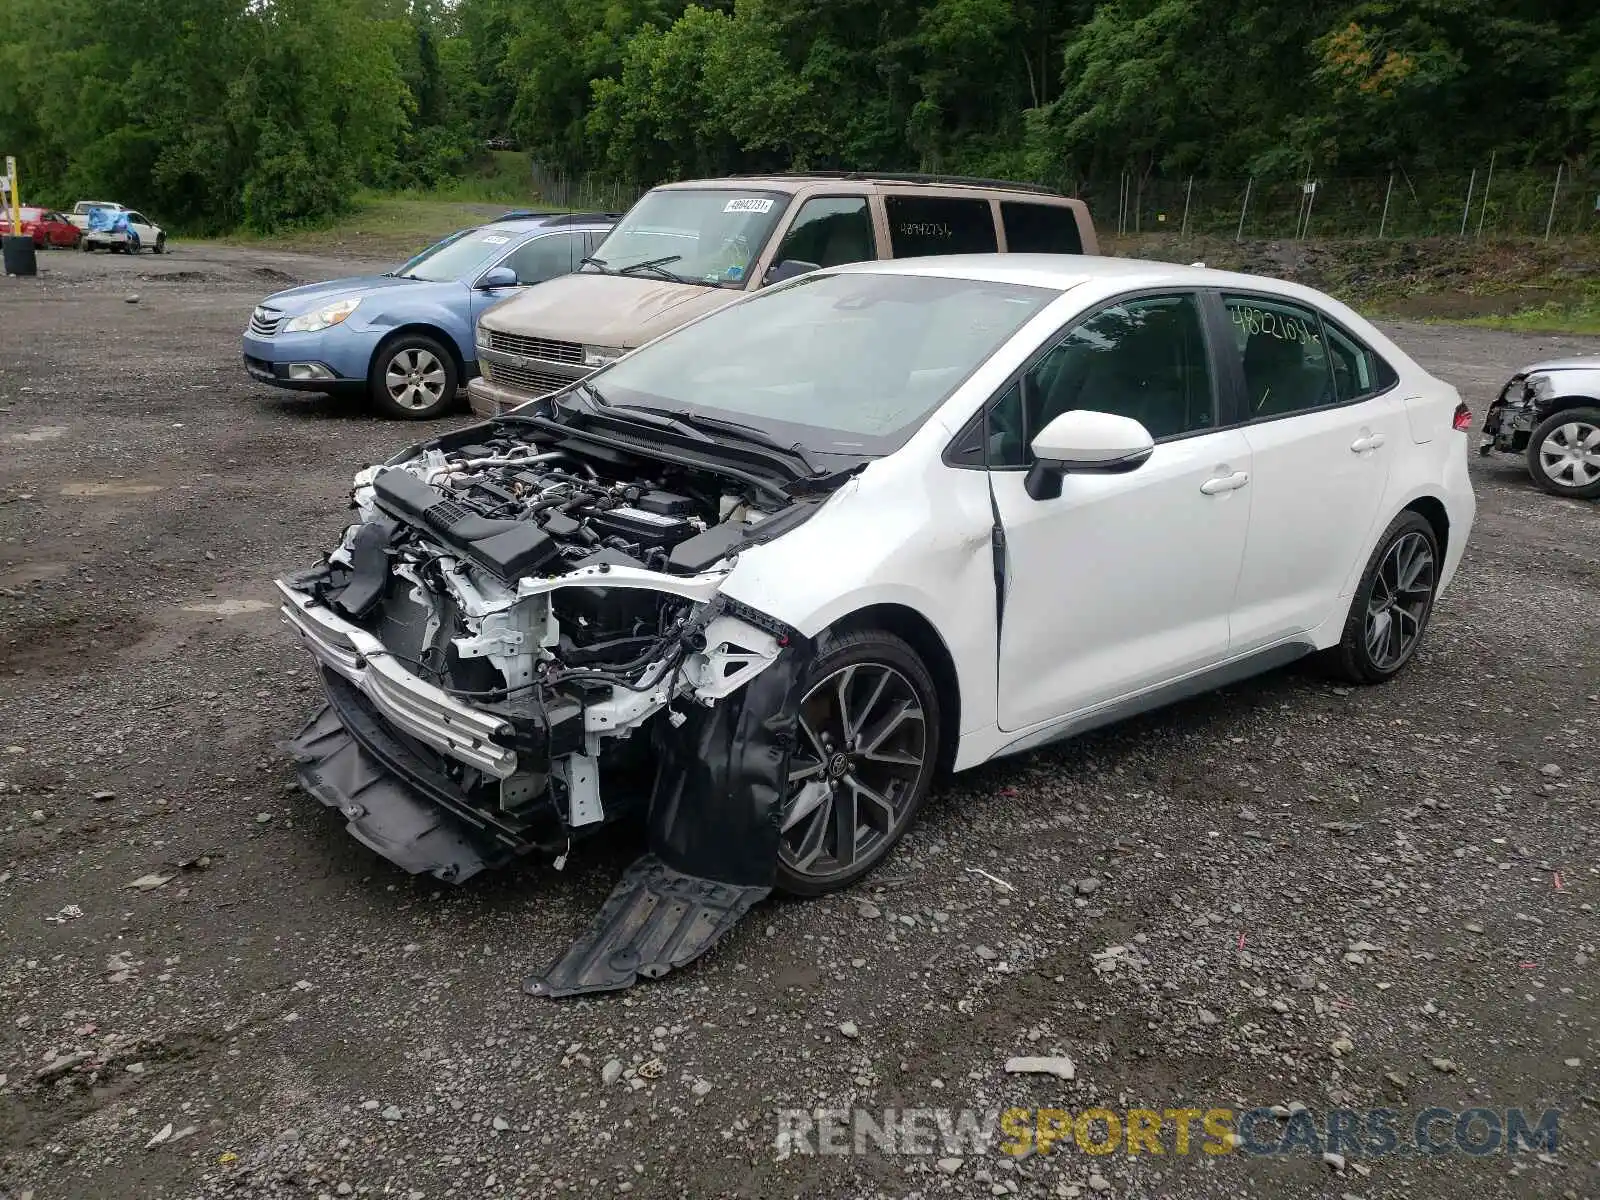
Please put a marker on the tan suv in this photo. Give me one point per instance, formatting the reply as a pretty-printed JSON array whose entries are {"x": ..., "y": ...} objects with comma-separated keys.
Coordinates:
[{"x": 687, "y": 248}]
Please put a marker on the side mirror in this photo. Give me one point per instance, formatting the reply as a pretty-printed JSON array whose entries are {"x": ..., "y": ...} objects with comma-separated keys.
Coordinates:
[
  {"x": 790, "y": 268},
  {"x": 500, "y": 277},
  {"x": 1085, "y": 442}
]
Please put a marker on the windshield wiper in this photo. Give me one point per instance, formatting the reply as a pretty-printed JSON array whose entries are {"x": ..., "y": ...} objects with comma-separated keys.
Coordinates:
[
  {"x": 592, "y": 261},
  {"x": 656, "y": 266},
  {"x": 746, "y": 433},
  {"x": 596, "y": 402}
]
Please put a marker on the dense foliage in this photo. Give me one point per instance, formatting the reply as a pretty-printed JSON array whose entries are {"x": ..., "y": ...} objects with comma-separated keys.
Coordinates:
[{"x": 261, "y": 112}]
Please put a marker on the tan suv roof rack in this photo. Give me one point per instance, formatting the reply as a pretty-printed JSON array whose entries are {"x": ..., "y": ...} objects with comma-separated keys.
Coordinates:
[{"x": 912, "y": 177}]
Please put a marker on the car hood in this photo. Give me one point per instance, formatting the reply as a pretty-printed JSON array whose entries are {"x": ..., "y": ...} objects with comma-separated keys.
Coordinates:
[
  {"x": 605, "y": 310},
  {"x": 1564, "y": 364},
  {"x": 311, "y": 296}
]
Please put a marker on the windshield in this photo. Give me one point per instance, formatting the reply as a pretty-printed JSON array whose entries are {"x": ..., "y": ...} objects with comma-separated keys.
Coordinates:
[
  {"x": 846, "y": 364},
  {"x": 462, "y": 253},
  {"x": 715, "y": 234}
]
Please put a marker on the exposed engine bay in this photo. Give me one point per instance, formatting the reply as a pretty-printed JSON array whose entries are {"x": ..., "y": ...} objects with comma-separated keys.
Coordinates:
[{"x": 518, "y": 635}]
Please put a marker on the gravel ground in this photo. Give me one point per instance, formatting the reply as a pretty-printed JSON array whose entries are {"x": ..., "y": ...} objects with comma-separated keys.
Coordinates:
[{"x": 1339, "y": 898}]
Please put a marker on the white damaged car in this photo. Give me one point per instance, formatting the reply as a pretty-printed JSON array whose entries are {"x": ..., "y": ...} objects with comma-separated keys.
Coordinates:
[{"x": 761, "y": 580}]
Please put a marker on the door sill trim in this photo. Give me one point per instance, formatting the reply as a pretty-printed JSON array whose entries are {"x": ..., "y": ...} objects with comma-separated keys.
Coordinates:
[{"x": 1197, "y": 683}]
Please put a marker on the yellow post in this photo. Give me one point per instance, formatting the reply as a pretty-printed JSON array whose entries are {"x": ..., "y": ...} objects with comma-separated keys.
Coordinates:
[{"x": 16, "y": 202}]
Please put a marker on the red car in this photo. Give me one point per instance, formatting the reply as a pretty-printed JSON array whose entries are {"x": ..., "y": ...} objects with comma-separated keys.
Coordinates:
[{"x": 48, "y": 227}]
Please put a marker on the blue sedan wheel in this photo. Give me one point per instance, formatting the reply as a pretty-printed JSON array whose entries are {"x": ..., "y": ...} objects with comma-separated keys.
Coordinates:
[{"x": 413, "y": 378}]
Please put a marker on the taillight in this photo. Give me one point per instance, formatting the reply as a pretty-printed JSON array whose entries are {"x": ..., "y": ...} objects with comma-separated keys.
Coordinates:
[{"x": 1463, "y": 419}]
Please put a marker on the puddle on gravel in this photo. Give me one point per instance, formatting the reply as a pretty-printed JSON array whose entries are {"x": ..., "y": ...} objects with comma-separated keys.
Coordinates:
[
  {"x": 39, "y": 433},
  {"x": 228, "y": 608},
  {"x": 68, "y": 643},
  {"x": 113, "y": 487},
  {"x": 181, "y": 277},
  {"x": 26, "y": 573}
]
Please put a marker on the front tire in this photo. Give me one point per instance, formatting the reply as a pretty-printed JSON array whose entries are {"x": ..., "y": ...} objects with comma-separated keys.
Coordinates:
[
  {"x": 413, "y": 378},
  {"x": 1564, "y": 453},
  {"x": 1392, "y": 604},
  {"x": 160, "y": 247},
  {"x": 863, "y": 762}
]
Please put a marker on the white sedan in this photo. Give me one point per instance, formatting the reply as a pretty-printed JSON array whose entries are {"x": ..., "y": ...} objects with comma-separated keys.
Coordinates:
[
  {"x": 764, "y": 578},
  {"x": 139, "y": 233}
]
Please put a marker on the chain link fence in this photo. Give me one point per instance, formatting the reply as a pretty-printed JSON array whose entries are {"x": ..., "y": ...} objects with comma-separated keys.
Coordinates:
[
  {"x": 1470, "y": 203},
  {"x": 583, "y": 191},
  {"x": 1486, "y": 201}
]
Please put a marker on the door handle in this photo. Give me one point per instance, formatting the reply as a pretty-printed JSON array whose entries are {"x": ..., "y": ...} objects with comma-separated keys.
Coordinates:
[
  {"x": 1225, "y": 483},
  {"x": 1367, "y": 441}
]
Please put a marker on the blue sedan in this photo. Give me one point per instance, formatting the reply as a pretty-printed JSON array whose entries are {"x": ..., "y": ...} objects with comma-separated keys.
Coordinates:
[{"x": 405, "y": 337}]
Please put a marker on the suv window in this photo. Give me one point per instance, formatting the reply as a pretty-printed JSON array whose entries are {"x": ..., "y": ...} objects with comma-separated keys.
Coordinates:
[
  {"x": 924, "y": 225},
  {"x": 545, "y": 257},
  {"x": 1357, "y": 371},
  {"x": 830, "y": 230},
  {"x": 1286, "y": 367},
  {"x": 1040, "y": 228},
  {"x": 1144, "y": 358}
]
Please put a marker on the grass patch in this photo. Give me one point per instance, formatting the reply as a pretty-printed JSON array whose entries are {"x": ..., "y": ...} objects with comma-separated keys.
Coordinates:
[
  {"x": 1578, "y": 315},
  {"x": 500, "y": 177},
  {"x": 378, "y": 226},
  {"x": 395, "y": 225}
]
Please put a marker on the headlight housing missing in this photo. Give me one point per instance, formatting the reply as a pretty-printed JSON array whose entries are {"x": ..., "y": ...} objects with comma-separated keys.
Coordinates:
[
  {"x": 599, "y": 356},
  {"x": 322, "y": 318}
]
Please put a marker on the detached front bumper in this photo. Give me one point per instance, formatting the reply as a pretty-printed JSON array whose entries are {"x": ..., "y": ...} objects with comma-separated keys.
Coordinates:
[{"x": 391, "y": 800}]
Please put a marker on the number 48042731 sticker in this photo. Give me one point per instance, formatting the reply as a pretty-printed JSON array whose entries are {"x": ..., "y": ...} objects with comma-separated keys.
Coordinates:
[{"x": 750, "y": 204}]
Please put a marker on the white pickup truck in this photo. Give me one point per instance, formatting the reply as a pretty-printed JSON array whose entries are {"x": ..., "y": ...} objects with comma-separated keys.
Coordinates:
[
  {"x": 136, "y": 234},
  {"x": 79, "y": 215}
]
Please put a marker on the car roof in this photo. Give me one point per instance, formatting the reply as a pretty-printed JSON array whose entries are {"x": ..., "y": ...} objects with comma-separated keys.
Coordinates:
[
  {"x": 1063, "y": 271},
  {"x": 791, "y": 182},
  {"x": 521, "y": 220}
]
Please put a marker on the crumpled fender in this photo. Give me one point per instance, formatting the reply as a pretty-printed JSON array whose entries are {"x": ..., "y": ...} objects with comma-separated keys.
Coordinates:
[
  {"x": 722, "y": 776},
  {"x": 713, "y": 826}
]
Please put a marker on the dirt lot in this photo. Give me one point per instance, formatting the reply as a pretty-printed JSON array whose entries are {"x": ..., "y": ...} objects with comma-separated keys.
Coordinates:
[{"x": 308, "y": 1021}]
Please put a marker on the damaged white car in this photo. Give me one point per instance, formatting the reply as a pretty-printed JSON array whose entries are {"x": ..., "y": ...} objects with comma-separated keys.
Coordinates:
[{"x": 759, "y": 581}]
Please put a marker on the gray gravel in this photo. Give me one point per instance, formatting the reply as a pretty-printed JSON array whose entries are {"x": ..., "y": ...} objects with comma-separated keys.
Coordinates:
[{"x": 1285, "y": 894}]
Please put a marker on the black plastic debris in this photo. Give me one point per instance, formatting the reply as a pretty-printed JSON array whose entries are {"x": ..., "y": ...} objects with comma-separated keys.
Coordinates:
[
  {"x": 714, "y": 825},
  {"x": 382, "y": 812},
  {"x": 655, "y": 920}
]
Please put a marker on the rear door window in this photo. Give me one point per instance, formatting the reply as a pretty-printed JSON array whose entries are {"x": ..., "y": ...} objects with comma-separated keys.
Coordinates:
[
  {"x": 1285, "y": 360},
  {"x": 546, "y": 257},
  {"x": 1357, "y": 371},
  {"x": 924, "y": 225},
  {"x": 1040, "y": 228}
]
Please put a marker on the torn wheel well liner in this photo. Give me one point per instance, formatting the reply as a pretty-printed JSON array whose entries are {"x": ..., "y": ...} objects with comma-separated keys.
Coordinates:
[
  {"x": 722, "y": 776},
  {"x": 915, "y": 630},
  {"x": 1433, "y": 512}
]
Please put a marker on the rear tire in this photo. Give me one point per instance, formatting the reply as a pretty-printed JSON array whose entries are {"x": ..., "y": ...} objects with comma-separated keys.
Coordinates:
[
  {"x": 413, "y": 378},
  {"x": 1564, "y": 453},
  {"x": 1393, "y": 601},
  {"x": 863, "y": 762}
]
